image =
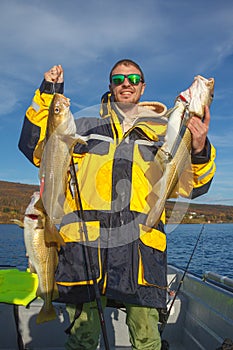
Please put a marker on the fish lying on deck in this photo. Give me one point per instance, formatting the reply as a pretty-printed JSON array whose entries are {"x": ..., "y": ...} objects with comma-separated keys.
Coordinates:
[
  {"x": 175, "y": 154},
  {"x": 43, "y": 257},
  {"x": 55, "y": 153}
]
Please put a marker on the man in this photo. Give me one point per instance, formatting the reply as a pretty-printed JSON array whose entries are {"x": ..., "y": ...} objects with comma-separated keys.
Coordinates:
[{"x": 116, "y": 173}]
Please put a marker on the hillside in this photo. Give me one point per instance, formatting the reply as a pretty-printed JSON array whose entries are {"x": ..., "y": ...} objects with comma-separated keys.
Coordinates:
[{"x": 14, "y": 198}]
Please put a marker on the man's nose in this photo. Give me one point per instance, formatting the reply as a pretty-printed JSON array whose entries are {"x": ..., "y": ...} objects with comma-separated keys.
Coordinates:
[{"x": 126, "y": 82}]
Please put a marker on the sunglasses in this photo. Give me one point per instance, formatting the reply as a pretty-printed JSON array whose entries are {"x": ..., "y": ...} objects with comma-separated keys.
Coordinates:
[{"x": 134, "y": 79}]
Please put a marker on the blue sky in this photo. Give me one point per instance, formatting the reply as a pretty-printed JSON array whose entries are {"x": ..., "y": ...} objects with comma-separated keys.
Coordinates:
[{"x": 173, "y": 40}]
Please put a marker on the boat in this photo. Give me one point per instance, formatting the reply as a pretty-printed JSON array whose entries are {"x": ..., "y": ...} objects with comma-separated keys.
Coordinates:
[{"x": 200, "y": 318}]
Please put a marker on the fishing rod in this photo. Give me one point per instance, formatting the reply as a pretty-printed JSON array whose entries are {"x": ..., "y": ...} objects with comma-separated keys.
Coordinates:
[
  {"x": 163, "y": 325},
  {"x": 90, "y": 258}
]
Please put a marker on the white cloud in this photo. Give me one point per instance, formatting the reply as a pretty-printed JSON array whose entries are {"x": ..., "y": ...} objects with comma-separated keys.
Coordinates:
[{"x": 222, "y": 139}]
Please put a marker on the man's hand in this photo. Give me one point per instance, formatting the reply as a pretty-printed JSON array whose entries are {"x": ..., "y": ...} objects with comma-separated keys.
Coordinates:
[
  {"x": 199, "y": 130},
  {"x": 55, "y": 74}
]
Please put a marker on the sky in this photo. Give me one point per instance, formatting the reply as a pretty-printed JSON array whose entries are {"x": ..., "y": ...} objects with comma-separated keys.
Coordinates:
[{"x": 172, "y": 40}]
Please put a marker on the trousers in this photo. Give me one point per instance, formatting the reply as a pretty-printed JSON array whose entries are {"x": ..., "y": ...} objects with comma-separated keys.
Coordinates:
[{"x": 142, "y": 325}]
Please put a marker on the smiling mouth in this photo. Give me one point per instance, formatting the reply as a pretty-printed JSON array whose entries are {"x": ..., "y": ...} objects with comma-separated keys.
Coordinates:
[{"x": 126, "y": 93}]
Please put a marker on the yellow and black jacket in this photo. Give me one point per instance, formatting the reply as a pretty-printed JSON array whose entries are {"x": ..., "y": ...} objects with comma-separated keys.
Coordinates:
[{"x": 115, "y": 172}]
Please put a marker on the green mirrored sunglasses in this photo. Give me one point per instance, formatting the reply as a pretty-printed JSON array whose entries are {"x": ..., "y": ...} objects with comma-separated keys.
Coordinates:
[{"x": 134, "y": 79}]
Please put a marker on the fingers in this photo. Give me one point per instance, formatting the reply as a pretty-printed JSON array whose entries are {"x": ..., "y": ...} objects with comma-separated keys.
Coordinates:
[
  {"x": 195, "y": 123},
  {"x": 207, "y": 116},
  {"x": 60, "y": 74},
  {"x": 199, "y": 130},
  {"x": 55, "y": 74}
]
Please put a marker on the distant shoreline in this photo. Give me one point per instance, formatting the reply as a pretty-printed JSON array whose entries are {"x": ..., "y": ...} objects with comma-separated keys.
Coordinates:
[{"x": 15, "y": 197}]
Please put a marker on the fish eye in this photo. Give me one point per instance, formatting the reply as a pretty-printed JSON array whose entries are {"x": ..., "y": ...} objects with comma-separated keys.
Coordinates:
[{"x": 56, "y": 110}]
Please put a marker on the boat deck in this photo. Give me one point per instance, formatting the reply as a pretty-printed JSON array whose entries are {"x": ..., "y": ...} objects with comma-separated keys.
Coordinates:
[
  {"x": 200, "y": 319},
  {"x": 42, "y": 337}
]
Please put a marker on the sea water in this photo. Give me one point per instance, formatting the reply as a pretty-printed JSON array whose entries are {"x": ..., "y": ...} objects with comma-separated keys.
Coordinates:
[{"x": 213, "y": 251}]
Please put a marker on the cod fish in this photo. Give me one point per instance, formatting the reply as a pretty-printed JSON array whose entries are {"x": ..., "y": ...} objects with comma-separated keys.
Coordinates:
[
  {"x": 175, "y": 154},
  {"x": 43, "y": 258},
  {"x": 55, "y": 153}
]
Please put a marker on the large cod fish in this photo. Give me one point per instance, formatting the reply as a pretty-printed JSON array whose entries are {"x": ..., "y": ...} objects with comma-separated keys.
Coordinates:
[
  {"x": 55, "y": 153},
  {"x": 175, "y": 154},
  {"x": 43, "y": 258}
]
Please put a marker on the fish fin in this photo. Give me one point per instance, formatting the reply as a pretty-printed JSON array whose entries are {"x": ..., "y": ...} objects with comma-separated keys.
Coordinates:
[
  {"x": 39, "y": 150},
  {"x": 51, "y": 233},
  {"x": 39, "y": 205},
  {"x": 31, "y": 267},
  {"x": 40, "y": 222},
  {"x": 18, "y": 222},
  {"x": 38, "y": 291},
  {"x": 80, "y": 139},
  {"x": 55, "y": 292},
  {"x": 46, "y": 315},
  {"x": 73, "y": 140}
]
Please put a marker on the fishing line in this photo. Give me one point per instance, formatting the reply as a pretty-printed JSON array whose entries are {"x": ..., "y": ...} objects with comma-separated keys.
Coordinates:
[
  {"x": 90, "y": 258},
  {"x": 163, "y": 325},
  {"x": 203, "y": 255}
]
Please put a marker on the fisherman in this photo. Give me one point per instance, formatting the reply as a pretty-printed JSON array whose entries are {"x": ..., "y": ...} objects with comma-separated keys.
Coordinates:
[{"x": 115, "y": 172}]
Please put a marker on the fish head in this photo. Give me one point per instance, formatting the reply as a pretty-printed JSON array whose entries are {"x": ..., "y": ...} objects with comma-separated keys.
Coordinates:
[
  {"x": 33, "y": 216},
  {"x": 199, "y": 94},
  {"x": 205, "y": 89},
  {"x": 60, "y": 118}
]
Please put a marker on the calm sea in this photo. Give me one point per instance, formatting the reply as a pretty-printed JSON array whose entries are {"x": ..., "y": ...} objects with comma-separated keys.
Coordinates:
[{"x": 213, "y": 252}]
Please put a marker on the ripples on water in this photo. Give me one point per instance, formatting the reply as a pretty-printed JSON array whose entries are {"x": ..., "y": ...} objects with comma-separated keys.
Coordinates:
[
  {"x": 213, "y": 253},
  {"x": 12, "y": 249}
]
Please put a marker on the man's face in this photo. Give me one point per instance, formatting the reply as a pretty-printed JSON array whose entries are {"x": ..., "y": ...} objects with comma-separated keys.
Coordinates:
[{"x": 126, "y": 92}]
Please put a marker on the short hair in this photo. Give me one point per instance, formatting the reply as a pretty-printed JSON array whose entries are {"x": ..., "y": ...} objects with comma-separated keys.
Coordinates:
[{"x": 126, "y": 62}]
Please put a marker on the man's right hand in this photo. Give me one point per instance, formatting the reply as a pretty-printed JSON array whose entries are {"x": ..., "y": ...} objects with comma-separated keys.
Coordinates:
[{"x": 55, "y": 74}]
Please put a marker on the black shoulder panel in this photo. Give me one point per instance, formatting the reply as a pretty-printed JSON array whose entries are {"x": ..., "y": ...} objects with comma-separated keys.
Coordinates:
[{"x": 29, "y": 138}]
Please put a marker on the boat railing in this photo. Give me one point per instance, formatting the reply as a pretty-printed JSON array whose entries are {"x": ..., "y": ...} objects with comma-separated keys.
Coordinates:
[{"x": 220, "y": 281}]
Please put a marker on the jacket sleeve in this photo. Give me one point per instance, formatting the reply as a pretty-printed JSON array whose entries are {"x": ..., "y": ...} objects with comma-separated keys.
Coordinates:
[
  {"x": 197, "y": 180},
  {"x": 203, "y": 168},
  {"x": 35, "y": 121}
]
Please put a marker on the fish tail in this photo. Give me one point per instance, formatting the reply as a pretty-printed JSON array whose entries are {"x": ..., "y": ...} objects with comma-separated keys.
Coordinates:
[{"x": 46, "y": 314}]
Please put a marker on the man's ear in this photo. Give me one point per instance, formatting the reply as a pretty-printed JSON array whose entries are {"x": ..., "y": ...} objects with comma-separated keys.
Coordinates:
[
  {"x": 143, "y": 88},
  {"x": 110, "y": 88}
]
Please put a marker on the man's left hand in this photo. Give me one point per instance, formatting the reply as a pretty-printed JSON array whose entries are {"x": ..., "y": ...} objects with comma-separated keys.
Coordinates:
[{"x": 199, "y": 130}]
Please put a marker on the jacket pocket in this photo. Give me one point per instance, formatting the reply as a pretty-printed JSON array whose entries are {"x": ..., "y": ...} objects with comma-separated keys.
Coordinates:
[
  {"x": 152, "y": 259},
  {"x": 151, "y": 267},
  {"x": 74, "y": 265},
  {"x": 73, "y": 232}
]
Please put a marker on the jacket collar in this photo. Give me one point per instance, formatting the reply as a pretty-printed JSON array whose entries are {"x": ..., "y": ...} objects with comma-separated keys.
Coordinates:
[{"x": 151, "y": 117}]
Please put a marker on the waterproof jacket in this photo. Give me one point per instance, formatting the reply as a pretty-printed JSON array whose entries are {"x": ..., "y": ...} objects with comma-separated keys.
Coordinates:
[{"x": 115, "y": 172}]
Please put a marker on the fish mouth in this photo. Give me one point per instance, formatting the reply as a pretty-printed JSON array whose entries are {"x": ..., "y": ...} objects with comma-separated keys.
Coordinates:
[{"x": 32, "y": 216}]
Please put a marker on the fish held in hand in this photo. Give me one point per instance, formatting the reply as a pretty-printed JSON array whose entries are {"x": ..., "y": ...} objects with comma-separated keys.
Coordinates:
[
  {"x": 175, "y": 155},
  {"x": 43, "y": 258},
  {"x": 55, "y": 153}
]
